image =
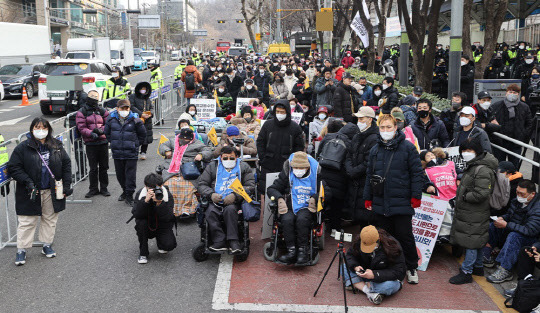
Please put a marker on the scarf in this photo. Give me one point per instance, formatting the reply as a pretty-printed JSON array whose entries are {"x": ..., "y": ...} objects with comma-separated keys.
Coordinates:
[
  {"x": 177, "y": 156},
  {"x": 511, "y": 108}
]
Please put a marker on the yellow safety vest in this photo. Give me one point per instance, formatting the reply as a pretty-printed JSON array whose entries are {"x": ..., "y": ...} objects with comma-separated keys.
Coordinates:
[
  {"x": 156, "y": 80},
  {"x": 3, "y": 152},
  {"x": 112, "y": 90},
  {"x": 178, "y": 71}
]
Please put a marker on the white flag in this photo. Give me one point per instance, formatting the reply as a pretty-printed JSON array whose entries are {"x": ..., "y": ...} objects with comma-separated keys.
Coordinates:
[{"x": 359, "y": 27}]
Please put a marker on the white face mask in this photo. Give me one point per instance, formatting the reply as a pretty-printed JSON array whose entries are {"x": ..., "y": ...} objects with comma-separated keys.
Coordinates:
[
  {"x": 219, "y": 68},
  {"x": 249, "y": 87},
  {"x": 384, "y": 86},
  {"x": 40, "y": 133},
  {"x": 192, "y": 113},
  {"x": 521, "y": 200},
  {"x": 115, "y": 75},
  {"x": 463, "y": 63},
  {"x": 305, "y": 110},
  {"x": 275, "y": 64},
  {"x": 143, "y": 91},
  {"x": 281, "y": 117},
  {"x": 485, "y": 105},
  {"x": 362, "y": 126},
  {"x": 294, "y": 68},
  {"x": 377, "y": 92},
  {"x": 467, "y": 156},
  {"x": 123, "y": 114},
  {"x": 228, "y": 164},
  {"x": 221, "y": 90},
  {"x": 522, "y": 47},
  {"x": 529, "y": 61},
  {"x": 212, "y": 68},
  {"x": 387, "y": 135},
  {"x": 464, "y": 121},
  {"x": 299, "y": 172},
  {"x": 322, "y": 116}
]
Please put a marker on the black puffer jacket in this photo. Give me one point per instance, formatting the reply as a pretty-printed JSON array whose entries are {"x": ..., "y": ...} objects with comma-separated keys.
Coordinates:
[
  {"x": 207, "y": 181},
  {"x": 391, "y": 98},
  {"x": 434, "y": 129},
  {"x": 141, "y": 103},
  {"x": 125, "y": 138},
  {"x": 336, "y": 179},
  {"x": 24, "y": 167},
  {"x": 356, "y": 167},
  {"x": 467, "y": 81},
  {"x": 345, "y": 102},
  {"x": 158, "y": 216},
  {"x": 278, "y": 140},
  {"x": 524, "y": 220},
  {"x": 520, "y": 127},
  {"x": 404, "y": 180}
]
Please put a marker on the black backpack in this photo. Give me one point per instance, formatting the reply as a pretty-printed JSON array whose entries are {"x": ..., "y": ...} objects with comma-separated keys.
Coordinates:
[
  {"x": 526, "y": 297},
  {"x": 333, "y": 154},
  {"x": 190, "y": 81}
]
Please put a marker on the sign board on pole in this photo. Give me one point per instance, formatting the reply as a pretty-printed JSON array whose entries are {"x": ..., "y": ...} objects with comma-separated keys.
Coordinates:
[
  {"x": 296, "y": 117},
  {"x": 206, "y": 108},
  {"x": 324, "y": 21},
  {"x": 455, "y": 156},
  {"x": 199, "y": 32},
  {"x": 495, "y": 87},
  {"x": 393, "y": 27},
  {"x": 149, "y": 22},
  {"x": 426, "y": 224},
  {"x": 240, "y": 102}
]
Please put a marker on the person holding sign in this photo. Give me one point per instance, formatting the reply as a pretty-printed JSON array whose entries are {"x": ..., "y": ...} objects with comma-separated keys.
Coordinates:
[
  {"x": 247, "y": 122},
  {"x": 296, "y": 191},
  {"x": 242, "y": 144},
  {"x": 215, "y": 184}
]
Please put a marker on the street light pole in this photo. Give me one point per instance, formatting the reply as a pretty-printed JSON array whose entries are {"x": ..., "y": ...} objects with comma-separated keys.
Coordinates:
[
  {"x": 404, "y": 51},
  {"x": 456, "y": 34},
  {"x": 279, "y": 39}
]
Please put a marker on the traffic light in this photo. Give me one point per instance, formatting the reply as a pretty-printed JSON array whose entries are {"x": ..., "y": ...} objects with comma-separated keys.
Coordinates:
[
  {"x": 221, "y": 21},
  {"x": 240, "y": 21}
]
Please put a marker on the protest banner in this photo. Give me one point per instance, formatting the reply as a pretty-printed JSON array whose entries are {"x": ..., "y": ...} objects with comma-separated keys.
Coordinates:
[
  {"x": 237, "y": 187},
  {"x": 297, "y": 117},
  {"x": 426, "y": 224},
  {"x": 206, "y": 108},
  {"x": 455, "y": 156},
  {"x": 240, "y": 102},
  {"x": 212, "y": 136}
]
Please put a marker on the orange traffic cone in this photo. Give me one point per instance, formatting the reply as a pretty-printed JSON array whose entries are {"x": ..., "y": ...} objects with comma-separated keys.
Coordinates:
[{"x": 24, "y": 98}]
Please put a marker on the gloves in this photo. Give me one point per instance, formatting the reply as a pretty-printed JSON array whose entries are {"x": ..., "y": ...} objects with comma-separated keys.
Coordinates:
[
  {"x": 216, "y": 198},
  {"x": 282, "y": 206},
  {"x": 229, "y": 199},
  {"x": 312, "y": 207},
  {"x": 98, "y": 131},
  {"x": 367, "y": 204},
  {"x": 30, "y": 186},
  {"x": 94, "y": 136},
  {"x": 415, "y": 203}
]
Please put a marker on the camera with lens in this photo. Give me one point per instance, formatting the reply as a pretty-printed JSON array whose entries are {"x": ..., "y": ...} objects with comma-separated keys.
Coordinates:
[
  {"x": 534, "y": 100},
  {"x": 239, "y": 141},
  {"x": 158, "y": 194}
]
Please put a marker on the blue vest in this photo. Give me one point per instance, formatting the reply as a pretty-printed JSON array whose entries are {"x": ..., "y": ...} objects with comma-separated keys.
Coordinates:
[
  {"x": 303, "y": 188},
  {"x": 224, "y": 179}
]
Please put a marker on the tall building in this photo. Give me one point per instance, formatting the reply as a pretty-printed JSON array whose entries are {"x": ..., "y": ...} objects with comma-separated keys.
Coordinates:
[{"x": 179, "y": 10}]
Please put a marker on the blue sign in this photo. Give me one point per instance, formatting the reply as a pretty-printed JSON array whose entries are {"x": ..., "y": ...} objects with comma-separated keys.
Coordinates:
[
  {"x": 177, "y": 84},
  {"x": 4, "y": 176},
  {"x": 165, "y": 89},
  {"x": 153, "y": 95}
]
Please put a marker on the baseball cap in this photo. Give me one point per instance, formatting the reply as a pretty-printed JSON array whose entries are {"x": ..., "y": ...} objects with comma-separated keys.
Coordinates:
[
  {"x": 369, "y": 236},
  {"x": 484, "y": 94},
  {"x": 186, "y": 133},
  {"x": 468, "y": 110},
  {"x": 418, "y": 90},
  {"x": 322, "y": 109},
  {"x": 123, "y": 103},
  {"x": 365, "y": 111}
]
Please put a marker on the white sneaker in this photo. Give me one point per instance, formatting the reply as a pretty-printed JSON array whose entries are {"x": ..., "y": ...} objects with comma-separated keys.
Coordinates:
[
  {"x": 142, "y": 156},
  {"x": 375, "y": 298},
  {"x": 142, "y": 259},
  {"x": 536, "y": 310},
  {"x": 412, "y": 276},
  {"x": 333, "y": 234},
  {"x": 163, "y": 251}
]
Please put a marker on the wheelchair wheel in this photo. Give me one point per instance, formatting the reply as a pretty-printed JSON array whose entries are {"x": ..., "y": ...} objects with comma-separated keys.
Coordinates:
[
  {"x": 321, "y": 239},
  {"x": 315, "y": 259},
  {"x": 269, "y": 253},
  {"x": 242, "y": 257},
  {"x": 199, "y": 253}
]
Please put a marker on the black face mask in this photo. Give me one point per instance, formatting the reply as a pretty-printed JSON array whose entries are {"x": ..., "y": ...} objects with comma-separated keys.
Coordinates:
[
  {"x": 400, "y": 125},
  {"x": 423, "y": 114},
  {"x": 92, "y": 102}
]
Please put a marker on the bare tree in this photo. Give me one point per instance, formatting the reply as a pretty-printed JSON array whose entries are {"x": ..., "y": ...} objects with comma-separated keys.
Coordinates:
[
  {"x": 466, "y": 38},
  {"x": 425, "y": 19},
  {"x": 251, "y": 11},
  {"x": 371, "y": 35},
  {"x": 383, "y": 12}
]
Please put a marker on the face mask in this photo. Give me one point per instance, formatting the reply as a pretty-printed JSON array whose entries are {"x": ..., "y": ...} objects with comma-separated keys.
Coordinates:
[
  {"x": 143, "y": 91},
  {"x": 322, "y": 116},
  {"x": 183, "y": 142},
  {"x": 115, "y": 75},
  {"x": 275, "y": 64},
  {"x": 305, "y": 110},
  {"x": 521, "y": 200},
  {"x": 387, "y": 135},
  {"x": 123, "y": 114},
  {"x": 249, "y": 87},
  {"x": 221, "y": 90},
  {"x": 219, "y": 68},
  {"x": 300, "y": 172},
  {"x": 192, "y": 113},
  {"x": 416, "y": 98},
  {"x": 377, "y": 92},
  {"x": 40, "y": 133},
  {"x": 92, "y": 102},
  {"x": 384, "y": 86},
  {"x": 261, "y": 72},
  {"x": 362, "y": 126},
  {"x": 240, "y": 68},
  {"x": 512, "y": 97},
  {"x": 467, "y": 156},
  {"x": 212, "y": 68},
  {"x": 485, "y": 105},
  {"x": 528, "y": 61},
  {"x": 348, "y": 55},
  {"x": 522, "y": 47},
  {"x": 535, "y": 76},
  {"x": 463, "y": 63},
  {"x": 423, "y": 114},
  {"x": 294, "y": 68},
  {"x": 464, "y": 121},
  {"x": 281, "y": 117},
  {"x": 229, "y": 163},
  {"x": 400, "y": 125},
  {"x": 431, "y": 163},
  {"x": 456, "y": 105},
  {"x": 248, "y": 119}
]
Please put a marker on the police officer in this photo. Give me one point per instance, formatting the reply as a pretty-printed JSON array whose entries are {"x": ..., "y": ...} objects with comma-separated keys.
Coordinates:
[
  {"x": 523, "y": 70},
  {"x": 179, "y": 69},
  {"x": 496, "y": 68},
  {"x": 116, "y": 87},
  {"x": 156, "y": 76},
  {"x": 3, "y": 160}
]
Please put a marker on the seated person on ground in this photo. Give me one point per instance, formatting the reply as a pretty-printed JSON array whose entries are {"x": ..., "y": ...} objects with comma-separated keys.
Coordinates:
[
  {"x": 214, "y": 184},
  {"x": 231, "y": 138},
  {"x": 247, "y": 122},
  {"x": 154, "y": 218},
  {"x": 376, "y": 264}
]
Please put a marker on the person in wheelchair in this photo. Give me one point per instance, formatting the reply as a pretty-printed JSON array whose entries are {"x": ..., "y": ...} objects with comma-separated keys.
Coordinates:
[
  {"x": 214, "y": 184},
  {"x": 296, "y": 191},
  {"x": 232, "y": 137}
]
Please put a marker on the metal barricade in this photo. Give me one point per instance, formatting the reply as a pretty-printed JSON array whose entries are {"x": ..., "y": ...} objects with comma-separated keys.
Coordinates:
[
  {"x": 166, "y": 101},
  {"x": 8, "y": 216}
]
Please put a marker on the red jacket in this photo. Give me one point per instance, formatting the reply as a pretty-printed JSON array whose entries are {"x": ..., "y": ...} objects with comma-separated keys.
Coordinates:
[
  {"x": 339, "y": 73},
  {"x": 347, "y": 61}
]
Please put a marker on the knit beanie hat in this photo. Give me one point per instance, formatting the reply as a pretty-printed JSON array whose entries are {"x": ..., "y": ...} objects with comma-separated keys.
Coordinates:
[
  {"x": 233, "y": 131},
  {"x": 300, "y": 160}
]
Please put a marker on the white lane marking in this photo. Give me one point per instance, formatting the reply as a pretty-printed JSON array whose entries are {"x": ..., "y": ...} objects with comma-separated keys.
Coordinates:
[
  {"x": 220, "y": 300},
  {"x": 13, "y": 121},
  {"x": 6, "y": 110}
]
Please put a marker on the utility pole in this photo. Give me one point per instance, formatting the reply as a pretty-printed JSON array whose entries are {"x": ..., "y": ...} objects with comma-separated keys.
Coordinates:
[
  {"x": 456, "y": 34},
  {"x": 327, "y": 43},
  {"x": 138, "y": 29},
  {"x": 258, "y": 27},
  {"x": 279, "y": 38},
  {"x": 404, "y": 50}
]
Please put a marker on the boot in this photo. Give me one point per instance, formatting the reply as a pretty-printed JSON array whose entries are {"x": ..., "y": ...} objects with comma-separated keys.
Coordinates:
[
  {"x": 290, "y": 257},
  {"x": 129, "y": 200},
  {"x": 303, "y": 257}
]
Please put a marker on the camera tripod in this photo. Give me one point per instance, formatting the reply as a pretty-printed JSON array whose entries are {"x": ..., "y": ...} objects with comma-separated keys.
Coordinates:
[{"x": 342, "y": 260}]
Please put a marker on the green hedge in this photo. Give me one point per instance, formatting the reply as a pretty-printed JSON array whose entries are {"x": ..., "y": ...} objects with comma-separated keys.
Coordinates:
[{"x": 438, "y": 103}]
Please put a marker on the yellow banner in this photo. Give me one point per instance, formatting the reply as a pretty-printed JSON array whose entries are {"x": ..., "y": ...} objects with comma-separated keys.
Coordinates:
[
  {"x": 270, "y": 90},
  {"x": 321, "y": 199},
  {"x": 212, "y": 135},
  {"x": 217, "y": 98},
  {"x": 162, "y": 139},
  {"x": 237, "y": 187}
]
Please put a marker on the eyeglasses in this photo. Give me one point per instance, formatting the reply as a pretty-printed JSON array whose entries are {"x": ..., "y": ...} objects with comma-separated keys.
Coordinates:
[{"x": 228, "y": 159}]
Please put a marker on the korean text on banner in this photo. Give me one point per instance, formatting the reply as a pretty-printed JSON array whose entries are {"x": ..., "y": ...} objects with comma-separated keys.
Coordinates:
[
  {"x": 237, "y": 187},
  {"x": 206, "y": 108},
  {"x": 240, "y": 102},
  {"x": 426, "y": 224},
  {"x": 297, "y": 117},
  {"x": 359, "y": 27},
  {"x": 454, "y": 155},
  {"x": 212, "y": 136}
]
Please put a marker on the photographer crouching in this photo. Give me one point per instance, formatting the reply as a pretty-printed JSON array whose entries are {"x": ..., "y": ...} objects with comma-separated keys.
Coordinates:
[{"x": 154, "y": 217}]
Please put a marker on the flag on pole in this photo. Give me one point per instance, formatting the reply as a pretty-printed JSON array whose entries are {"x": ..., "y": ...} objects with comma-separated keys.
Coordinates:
[
  {"x": 358, "y": 26},
  {"x": 217, "y": 98},
  {"x": 237, "y": 187},
  {"x": 306, "y": 86},
  {"x": 321, "y": 199},
  {"x": 270, "y": 90},
  {"x": 162, "y": 140},
  {"x": 212, "y": 136}
]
